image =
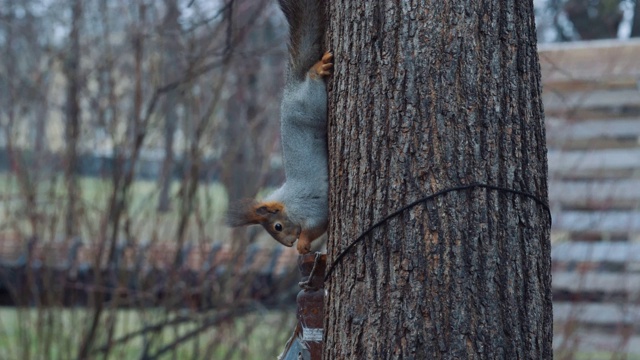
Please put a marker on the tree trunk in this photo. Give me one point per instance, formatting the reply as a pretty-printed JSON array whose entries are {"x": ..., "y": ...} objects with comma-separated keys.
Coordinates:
[
  {"x": 72, "y": 128},
  {"x": 171, "y": 50},
  {"x": 594, "y": 20},
  {"x": 429, "y": 95},
  {"x": 635, "y": 26}
]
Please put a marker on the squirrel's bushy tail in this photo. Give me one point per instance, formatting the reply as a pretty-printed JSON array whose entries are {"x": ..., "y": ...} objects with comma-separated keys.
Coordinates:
[{"x": 306, "y": 27}]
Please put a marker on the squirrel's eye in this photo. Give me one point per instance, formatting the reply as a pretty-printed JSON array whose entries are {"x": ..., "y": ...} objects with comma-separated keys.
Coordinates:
[{"x": 278, "y": 227}]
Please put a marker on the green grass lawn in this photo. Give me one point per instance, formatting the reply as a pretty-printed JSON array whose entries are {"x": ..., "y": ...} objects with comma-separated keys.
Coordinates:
[{"x": 141, "y": 219}]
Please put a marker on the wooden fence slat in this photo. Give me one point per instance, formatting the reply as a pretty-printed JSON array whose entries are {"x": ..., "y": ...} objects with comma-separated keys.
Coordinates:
[
  {"x": 602, "y": 83},
  {"x": 559, "y": 129},
  {"x": 583, "y": 192},
  {"x": 575, "y": 281},
  {"x": 572, "y": 134},
  {"x": 597, "y": 221},
  {"x": 595, "y": 160},
  {"x": 621, "y": 252},
  {"x": 589, "y": 60},
  {"x": 588, "y": 341},
  {"x": 590, "y": 99},
  {"x": 597, "y": 314}
]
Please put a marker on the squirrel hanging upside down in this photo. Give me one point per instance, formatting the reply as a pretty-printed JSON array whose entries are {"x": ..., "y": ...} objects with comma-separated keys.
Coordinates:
[{"x": 298, "y": 210}]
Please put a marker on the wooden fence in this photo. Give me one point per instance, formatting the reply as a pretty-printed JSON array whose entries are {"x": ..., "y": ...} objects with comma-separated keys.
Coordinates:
[
  {"x": 197, "y": 277},
  {"x": 592, "y": 105},
  {"x": 596, "y": 290}
]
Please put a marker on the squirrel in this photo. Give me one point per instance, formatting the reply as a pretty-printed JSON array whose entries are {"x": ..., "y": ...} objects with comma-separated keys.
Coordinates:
[{"x": 298, "y": 210}]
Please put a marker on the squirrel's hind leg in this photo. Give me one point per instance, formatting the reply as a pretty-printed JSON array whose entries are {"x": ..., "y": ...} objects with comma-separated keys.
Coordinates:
[{"x": 322, "y": 67}]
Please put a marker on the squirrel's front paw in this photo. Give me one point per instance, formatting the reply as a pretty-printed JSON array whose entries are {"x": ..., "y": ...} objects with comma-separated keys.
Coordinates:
[
  {"x": 303, "y": 246},
  {"x": 323, "y": 67}
]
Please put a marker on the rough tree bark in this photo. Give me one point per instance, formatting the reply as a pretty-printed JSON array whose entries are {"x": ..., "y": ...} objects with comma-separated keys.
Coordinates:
[{"x": 427, "y": 95}]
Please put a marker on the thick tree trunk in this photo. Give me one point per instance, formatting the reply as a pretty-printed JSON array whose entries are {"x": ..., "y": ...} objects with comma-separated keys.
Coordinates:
[{"x": 429, "y": 95}]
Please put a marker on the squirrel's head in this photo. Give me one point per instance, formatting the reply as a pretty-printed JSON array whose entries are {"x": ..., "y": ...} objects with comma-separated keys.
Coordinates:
[{"x": 271, "y": 215}]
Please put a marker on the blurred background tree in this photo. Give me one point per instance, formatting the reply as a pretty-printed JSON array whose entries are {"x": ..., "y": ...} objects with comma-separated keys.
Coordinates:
[
  {"x": 570, "y": 20},
  {"x": 124, "y": 127}
]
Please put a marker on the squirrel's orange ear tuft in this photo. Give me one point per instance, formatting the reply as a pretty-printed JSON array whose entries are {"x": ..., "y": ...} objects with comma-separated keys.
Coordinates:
[
  {"x": 268, "y": 208},
  {"x": 242, "y": 213},
  {"x": 249, "y": 211}
]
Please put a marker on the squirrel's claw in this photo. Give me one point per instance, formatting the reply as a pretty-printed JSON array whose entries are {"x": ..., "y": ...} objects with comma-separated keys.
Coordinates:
[{"x": 323, "y": 67}]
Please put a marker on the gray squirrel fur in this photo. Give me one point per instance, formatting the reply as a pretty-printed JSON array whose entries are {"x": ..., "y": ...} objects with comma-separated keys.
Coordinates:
[{"x": 299, "y": 208}]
